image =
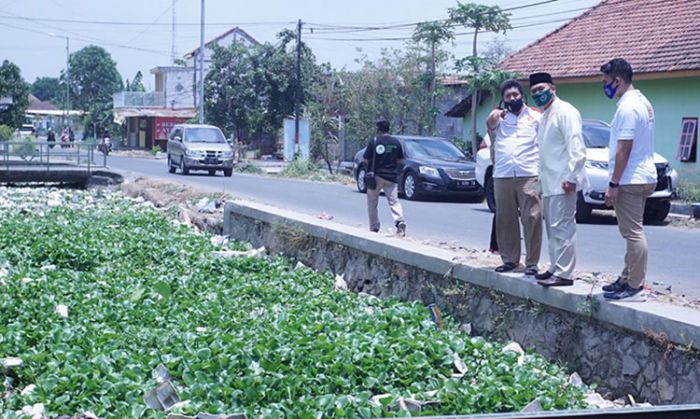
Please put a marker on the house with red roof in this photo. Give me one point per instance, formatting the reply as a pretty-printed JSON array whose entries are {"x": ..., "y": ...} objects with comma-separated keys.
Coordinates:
[{"x": 659, "y": 38}]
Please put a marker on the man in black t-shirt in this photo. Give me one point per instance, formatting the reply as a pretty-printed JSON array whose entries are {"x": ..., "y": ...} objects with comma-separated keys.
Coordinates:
[{"x": 383, "y": 156}]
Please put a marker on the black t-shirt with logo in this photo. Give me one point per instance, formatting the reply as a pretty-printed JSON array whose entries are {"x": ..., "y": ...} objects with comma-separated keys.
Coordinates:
[{"x": 388, "y": 152}]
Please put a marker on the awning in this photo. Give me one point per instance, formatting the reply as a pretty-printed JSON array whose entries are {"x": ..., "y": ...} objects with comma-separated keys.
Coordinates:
[{"x": 120, "y": 114}]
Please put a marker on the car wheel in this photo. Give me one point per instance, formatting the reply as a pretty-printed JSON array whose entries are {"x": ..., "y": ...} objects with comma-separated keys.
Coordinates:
[
  {"x": 656, "y": 211},
  {"x": 583, "y": 210},
  {"x": 228, "y": 172},
  {"x": 212, "y": 172},
  {"x": 183, "y": 167},
  {"x": 171, "y": 167},
  {"x": 410, "y": 187},
  {"x": 490, "y": 194},
  {"x": 361, "y": 180}
]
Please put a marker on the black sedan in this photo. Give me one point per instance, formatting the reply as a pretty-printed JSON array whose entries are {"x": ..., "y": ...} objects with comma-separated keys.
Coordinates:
[{"x": 433, "y": 167}]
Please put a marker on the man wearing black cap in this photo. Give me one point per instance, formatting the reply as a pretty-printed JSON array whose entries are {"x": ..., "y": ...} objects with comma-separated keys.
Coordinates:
[{"x": 562, "y": 159}]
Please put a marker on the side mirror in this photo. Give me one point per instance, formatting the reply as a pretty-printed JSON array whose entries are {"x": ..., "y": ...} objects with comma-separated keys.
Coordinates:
[{"x": 178, "y": 139}]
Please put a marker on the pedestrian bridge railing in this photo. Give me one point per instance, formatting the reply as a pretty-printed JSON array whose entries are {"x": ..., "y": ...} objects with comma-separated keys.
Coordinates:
[{"x": 36, "y": 155}]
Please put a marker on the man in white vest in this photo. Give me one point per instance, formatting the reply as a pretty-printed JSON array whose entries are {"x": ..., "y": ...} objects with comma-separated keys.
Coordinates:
[{"x": 562, "y": 159}]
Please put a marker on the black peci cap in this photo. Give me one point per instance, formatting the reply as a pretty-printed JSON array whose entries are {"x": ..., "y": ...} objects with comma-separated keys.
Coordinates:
[{"x": 537, "y": 78}]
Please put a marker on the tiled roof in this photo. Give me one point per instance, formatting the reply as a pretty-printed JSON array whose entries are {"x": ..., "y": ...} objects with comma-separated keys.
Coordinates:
[
  {"x": 37, "y": 105},
  {"x": 652, "y": 35}
]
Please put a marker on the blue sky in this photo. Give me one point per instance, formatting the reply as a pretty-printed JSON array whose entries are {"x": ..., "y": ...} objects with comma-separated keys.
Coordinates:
[{"x": 139, "y": 35}]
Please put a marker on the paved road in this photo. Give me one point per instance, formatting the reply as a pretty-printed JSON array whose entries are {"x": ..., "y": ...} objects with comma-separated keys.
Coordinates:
[{"x": 674, "y": 253}]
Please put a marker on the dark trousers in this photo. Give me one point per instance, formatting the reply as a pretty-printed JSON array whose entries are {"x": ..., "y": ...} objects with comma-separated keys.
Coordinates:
[{"x": 493, "y": 245}]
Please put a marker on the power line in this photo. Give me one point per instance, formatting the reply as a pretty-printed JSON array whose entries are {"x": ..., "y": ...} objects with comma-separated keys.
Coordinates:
[{"x": 125, "y": 23}]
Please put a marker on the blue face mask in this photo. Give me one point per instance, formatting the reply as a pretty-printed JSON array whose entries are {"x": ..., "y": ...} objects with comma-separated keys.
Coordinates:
[
  {"x": 610, "y": 90},
  {"x": 543, "y": 97}
]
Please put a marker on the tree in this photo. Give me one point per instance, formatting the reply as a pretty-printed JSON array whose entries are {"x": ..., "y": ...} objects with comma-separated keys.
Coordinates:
[
  {"x": 93, "y": 80},
  {"x": 136, "y": 84},
  {"x": 478, "y": 17},
  {"x": 433, "y": 34},
  {"x": 13, "y": 85},
  {"x": 250, "y": 90},
  {"x": 49, "y": 89},
  {"x": 497, "y": 50}
]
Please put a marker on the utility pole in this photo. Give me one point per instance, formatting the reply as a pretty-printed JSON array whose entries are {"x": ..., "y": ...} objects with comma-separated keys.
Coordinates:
[
  {"x": 201, "y": 66},
  {"x": 68, "y": 80},
  {"x": 297, "y": 96},
  {"x": 173, "y": 51},
  {"x": 67, "y": 103}
]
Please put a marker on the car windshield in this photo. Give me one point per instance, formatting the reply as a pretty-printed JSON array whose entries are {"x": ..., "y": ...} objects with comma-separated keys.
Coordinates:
[
  {"x": 433, "y": 149},
  {"x": 596, "y": 136},
  {"x": 204, "y": 135}
]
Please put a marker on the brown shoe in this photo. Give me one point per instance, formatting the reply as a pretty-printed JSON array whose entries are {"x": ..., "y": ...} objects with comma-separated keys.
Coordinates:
[
  {"x": 543, "y": 275},
  {"x": 556, "y": 281}
]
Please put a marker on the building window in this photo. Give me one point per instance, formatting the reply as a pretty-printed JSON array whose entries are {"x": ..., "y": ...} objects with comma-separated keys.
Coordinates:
[{"x": 687, "y": 147}]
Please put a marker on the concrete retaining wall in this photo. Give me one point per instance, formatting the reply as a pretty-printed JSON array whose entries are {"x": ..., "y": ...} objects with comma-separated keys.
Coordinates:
[{"x": 649, "y": 350}]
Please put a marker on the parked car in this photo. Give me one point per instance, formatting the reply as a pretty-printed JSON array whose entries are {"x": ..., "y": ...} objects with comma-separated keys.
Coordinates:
[
  {"x": 596, "y": 135},
  {"x": 27, "y": 130},
  {"x": 199, "y": 147},
  {"x": 433, "y": 167}
]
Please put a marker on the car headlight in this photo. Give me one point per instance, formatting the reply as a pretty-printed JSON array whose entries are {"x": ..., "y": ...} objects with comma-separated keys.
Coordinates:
[
  {"x": 195, "y": 153},
  {"x": 227, "y": 154},
  {"x": 597, "y": 164},
  {"x": 428, "y": 171}
]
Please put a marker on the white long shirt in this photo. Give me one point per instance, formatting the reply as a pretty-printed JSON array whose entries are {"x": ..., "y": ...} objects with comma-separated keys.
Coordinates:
[
  {"x": 561, "y": 147},
  {"x": 515, "y": 148},
  {"x": 634, "y": 120}
]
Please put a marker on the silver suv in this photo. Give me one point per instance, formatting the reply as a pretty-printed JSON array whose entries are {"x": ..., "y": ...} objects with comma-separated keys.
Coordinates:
[{"x": 199, "y": 147}]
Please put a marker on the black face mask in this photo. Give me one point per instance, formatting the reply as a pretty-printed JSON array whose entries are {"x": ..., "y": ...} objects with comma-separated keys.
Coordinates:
[{"x": 514, "y": 106}]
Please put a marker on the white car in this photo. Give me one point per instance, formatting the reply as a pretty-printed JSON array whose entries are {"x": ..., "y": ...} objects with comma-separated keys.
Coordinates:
[{"x": 596, "y": 135}]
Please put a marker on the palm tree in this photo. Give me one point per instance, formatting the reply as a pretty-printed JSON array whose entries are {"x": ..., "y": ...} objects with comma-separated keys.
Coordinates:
[
  {"x": 433, "y": 33},
  {"x": 479, "y": 18}
]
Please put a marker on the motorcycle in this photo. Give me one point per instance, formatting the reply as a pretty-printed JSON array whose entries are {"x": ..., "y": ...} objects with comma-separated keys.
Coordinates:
[{"x": 105, "y": 146}]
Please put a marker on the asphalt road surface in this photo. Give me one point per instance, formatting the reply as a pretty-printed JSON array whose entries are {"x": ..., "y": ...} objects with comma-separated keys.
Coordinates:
[{"x": 674, "y": 253}]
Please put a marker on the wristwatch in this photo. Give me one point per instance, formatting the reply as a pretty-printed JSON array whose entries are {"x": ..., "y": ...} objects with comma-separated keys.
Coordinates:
[{"x": 613, "y": 185}]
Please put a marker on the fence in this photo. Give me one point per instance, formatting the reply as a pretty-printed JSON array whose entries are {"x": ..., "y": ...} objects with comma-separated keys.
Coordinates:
[{"x": 33, "y": 155}]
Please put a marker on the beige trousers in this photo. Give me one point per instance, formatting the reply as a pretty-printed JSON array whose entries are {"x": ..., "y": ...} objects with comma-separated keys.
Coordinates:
[
  {"x": 392, "y": 196},
  {"x": 518, "y": 197},
  {"x": 560, "y": 222},
  {"x": 629, "y": 210}
]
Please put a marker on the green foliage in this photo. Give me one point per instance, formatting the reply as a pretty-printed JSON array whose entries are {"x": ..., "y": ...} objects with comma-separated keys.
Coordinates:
[
  {"x": 689, "y": 191},
  {"x": 6, "y": 133},
  {"x": 480, "y": 17},
  {"x": 13, "y": 85},
  {"x": 25, "y": 149},
  {"x": 49, "y": 89},
  {"x": 433, "y": 32},
  {"x": 93, "y": 80},
  {"x": 238, "y": 334},
  {"x": 250, "y": 90},
  {"x": 247, "y": 168},
  {"x": 136, "y": 85},
  {"x": 300, "y": 168}
]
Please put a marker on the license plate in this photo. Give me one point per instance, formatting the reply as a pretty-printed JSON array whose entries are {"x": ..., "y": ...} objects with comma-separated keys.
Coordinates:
[
  {"x": 211, "y": 161},
  {"x": 466, "y": 183}
]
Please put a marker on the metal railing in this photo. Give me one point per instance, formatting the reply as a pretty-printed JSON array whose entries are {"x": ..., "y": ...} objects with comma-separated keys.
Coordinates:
[{"x": 32, "y": 155}]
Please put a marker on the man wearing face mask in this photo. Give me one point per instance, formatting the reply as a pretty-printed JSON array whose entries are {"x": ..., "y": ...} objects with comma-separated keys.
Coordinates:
[
  {"x": 632, "y": 174},
  {"x": 562, "y": 159},
  {"x": 514, "y": 154}
]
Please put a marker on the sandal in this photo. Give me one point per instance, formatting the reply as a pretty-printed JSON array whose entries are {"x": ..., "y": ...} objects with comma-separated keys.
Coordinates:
[{"x": 506, "y": 267}]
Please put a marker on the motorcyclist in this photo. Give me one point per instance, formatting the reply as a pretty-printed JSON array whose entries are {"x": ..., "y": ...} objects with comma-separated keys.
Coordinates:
[{"x": 51, "y": 137}]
